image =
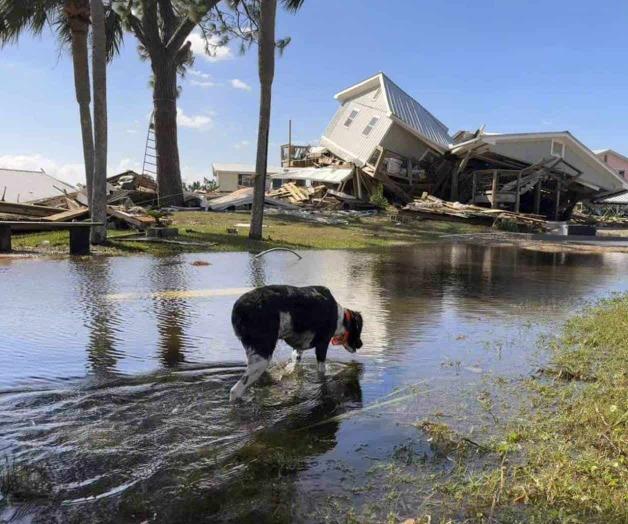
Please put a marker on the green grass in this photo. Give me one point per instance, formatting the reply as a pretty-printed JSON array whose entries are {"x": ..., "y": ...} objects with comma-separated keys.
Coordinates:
[
  {"x": 565, "y": 460},
  {"x": 280, "y": 231}
]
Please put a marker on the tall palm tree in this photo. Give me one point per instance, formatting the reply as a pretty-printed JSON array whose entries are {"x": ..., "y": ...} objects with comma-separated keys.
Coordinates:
[
  {"x": 98, "y": 203},
  {"x": 266, "y": 70},
  {"x": 70, "y": 19},
  {"x": 162, "y": 27}
]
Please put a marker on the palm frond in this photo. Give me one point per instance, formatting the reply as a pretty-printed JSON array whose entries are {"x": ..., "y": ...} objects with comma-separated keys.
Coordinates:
[
  {"x": 292, "y": 5},
  {"x": 114, "y": 30},
  {"x": 27, "y": 15}
]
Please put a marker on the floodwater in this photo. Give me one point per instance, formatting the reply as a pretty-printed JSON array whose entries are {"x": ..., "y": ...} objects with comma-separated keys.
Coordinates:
[{"x": 115, "y": 373}]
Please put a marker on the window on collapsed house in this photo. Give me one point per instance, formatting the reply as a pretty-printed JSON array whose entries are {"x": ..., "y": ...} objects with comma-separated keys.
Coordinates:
[
  {"x": 558, "y": 149},
  {"x": 622, "y": 173},
  {"x": 374, "y": 157},
  {"x": 245, "y": 180},
  {"x": 369, "y": 127},
  {"x": 351, "y": 117}
]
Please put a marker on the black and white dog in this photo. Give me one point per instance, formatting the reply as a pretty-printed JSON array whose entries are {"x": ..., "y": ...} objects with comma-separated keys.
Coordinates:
[{"x": 304, "y": 317}]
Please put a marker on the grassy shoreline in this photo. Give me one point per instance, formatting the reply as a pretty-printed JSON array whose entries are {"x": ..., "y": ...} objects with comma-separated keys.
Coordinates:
[
  {"x": 209, "y": 231},
  {"x": 565, "y": 458}
]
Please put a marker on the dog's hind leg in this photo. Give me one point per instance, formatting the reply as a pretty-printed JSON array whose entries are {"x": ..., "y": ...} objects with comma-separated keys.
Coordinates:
[{"x": 256, "y": 366}]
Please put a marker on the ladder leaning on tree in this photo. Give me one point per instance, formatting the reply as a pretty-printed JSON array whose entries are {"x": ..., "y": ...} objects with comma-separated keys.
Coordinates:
[{"x": 149, "y": 165}]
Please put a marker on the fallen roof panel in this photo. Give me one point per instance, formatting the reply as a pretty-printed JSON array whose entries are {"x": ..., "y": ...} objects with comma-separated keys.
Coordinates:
[
  {"x": 25, "y": 186},
  {"x": 317, "y": 174}
]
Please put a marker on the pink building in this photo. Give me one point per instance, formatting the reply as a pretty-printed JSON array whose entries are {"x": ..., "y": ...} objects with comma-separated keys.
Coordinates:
[{"x": 615, "y": 161}]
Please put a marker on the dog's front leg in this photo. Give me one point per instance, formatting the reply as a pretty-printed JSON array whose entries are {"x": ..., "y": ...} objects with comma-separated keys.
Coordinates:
[
  {"x": 296, "y": 359},
  {"x": 321, "y": 356}
]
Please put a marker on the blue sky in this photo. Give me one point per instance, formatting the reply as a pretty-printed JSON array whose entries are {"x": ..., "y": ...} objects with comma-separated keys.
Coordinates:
[{"x": 514, "y": 66}]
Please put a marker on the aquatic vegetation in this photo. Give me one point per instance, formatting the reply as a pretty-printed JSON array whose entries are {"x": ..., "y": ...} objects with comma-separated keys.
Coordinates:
[{"x": 22, "y": 483}]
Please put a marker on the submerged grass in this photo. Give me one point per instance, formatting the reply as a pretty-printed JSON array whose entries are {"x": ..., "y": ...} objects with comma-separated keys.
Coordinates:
[
  {"x": 374, "y": 232},
  {"x": 566, "y": 460}
]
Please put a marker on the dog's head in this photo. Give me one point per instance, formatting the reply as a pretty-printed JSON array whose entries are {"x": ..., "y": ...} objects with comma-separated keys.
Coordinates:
[{"x": 353, "y": 329}]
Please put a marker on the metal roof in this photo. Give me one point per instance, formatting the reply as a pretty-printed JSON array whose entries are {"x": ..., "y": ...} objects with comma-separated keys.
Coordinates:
[
  {"x": 414, "y": 115},
  {"x": 245, "y": 169},
  {"x": 621, "y": 199},
  {"x": 18, "y": 185},
  {"x": 318, "y": 174},
  {"x": 404, "y": 110}
]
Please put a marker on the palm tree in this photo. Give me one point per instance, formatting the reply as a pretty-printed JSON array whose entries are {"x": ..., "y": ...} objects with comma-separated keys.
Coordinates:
[
  {"x": 70, "y": 19},
  {"x": 266, "y": 70},
  {"x": 98, "y": 203},
  {"x": 162, "y": 27}
]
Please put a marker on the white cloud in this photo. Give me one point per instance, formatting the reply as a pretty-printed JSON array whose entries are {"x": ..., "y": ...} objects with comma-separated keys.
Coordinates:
[
  {"x": 201, "y": 79},
  {"x": 218, "y": 52},
  {"x": 70, "y": 173},
  {"x": 125, "y": 164},
  {"x": 239, "y": 84},
  {"x": 242, "y": 144},
  {"x": 193, "y": 121},
  {"x": 203, "y": 83}
]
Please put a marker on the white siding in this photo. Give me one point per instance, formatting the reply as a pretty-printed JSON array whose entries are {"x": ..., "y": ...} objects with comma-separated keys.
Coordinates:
[
  {"x": 534, "y": 150},
  {"x": 349, "y": 142}
]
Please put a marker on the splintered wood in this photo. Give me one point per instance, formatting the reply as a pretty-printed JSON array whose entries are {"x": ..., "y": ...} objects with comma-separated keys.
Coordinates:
[
  {"x": 431, "y": 207},
  {"x": 297, "y": 194}
]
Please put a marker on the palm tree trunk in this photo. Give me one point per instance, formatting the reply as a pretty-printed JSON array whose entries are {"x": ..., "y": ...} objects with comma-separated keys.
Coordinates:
[
  {"x": 99, "y": 71},
  {"x": 266, "y": 65},
  {"x": 165, "y": 112},
  {"x": 80, "y": 62}
]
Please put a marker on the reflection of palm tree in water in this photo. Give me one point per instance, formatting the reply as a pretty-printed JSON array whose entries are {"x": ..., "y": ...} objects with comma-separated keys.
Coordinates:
[
  {"x": 258, "y": 273},
  {"x": 100, "y": 315},
  {"x": 172, "y": 313}
]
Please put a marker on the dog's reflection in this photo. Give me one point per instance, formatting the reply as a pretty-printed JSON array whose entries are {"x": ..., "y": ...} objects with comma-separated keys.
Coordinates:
[{"x": 299, "y": 425}]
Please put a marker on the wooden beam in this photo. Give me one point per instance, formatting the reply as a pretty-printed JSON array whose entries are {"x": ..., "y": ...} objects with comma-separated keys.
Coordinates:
[
  {"x": 474, "y": 187},
  {"x": 517, "y": 194},
  {"x": 69, "y": 215},
  {"x": 358, "y": 183},
  {"x": 537, "y": 197},
  {"x": 28, "y": 209},
  {"x": 494, "y": 188},
  {"x": 557, "y": 204}
]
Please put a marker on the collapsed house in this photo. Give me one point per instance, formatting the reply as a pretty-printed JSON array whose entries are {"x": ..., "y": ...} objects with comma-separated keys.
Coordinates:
[{"x": 389, "y": 138}]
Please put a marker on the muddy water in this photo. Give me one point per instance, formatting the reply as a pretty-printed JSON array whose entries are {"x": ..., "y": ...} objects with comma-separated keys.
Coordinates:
[{"x": 114, "y": 377}]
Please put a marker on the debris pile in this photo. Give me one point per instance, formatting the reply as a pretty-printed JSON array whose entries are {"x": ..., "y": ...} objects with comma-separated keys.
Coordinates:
[
  {"x": 124, "y": 191},
  {"x": 431, "y": 207}
]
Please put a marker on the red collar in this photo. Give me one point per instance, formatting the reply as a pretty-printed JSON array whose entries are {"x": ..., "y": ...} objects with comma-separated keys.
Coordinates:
[{"x": 344, "y": 338}]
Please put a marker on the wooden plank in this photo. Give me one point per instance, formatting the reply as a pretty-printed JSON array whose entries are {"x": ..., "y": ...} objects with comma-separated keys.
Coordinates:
[
  {"x": 69, "y": 215},
  {"x": 474, "y": 187},
  {"x": 28, "y": 209},
  {"x": 393, "y": 187},
  {"x": 557, "y": 204},
  {"x": 141, "y": 222},
  {"x": 358, "y": 183},
  {"x": 494, "y": 188}
]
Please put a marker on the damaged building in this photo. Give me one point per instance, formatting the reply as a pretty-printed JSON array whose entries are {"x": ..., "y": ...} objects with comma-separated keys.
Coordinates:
[{"x": 388, "y": 137}]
